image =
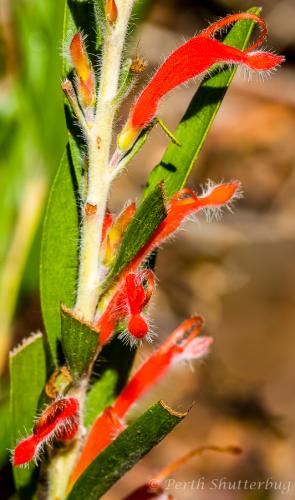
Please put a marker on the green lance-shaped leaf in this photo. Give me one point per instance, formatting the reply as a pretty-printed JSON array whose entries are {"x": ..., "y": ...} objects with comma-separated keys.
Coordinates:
[
  {"x": 193, "y": 129},
  {"x": 59, "y": 252},
  {"x": 79, "y": 342},
  {"x": 125, "y": 451},
  {"x": 27, "y": 378}
]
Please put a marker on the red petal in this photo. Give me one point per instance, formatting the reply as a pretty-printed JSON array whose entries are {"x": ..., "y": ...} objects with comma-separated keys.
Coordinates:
[
  {"x": 263, "y": 61},
  {"x": 25, "y": 451},
  {"x": 105, "y": 429},
  {"x": 137, "y": 326}
]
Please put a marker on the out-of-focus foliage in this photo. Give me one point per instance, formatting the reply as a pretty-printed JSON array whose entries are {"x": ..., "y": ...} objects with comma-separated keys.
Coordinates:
[{"x": 32, "y": 137}]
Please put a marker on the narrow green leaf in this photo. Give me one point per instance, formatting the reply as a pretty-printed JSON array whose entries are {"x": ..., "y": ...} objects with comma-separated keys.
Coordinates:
[
  {"x": 27, "y": 378},
  {"x": 59, "y": 251},
  {"x": 79, "y": 343},
  {"x": 125, "y": 80},
  {"x": 145, "y": 221},
  {"x": 192, "y": 131},
  {"x": 135, "y": 442}
]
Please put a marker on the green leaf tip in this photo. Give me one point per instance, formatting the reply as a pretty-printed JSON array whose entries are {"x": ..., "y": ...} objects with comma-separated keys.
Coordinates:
[
  {"x": 27, "y": 367},
  {"x": 79, "y": 342}
]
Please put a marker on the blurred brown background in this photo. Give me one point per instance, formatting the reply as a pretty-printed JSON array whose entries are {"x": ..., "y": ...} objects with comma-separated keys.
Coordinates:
[{"x": 238, "y": 273}]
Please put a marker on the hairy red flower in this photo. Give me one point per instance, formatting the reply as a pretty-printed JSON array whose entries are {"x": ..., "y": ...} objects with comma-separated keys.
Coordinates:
[
  {"x": 183, "y": 204},
  {"x": 59, "y": 420},
  {"x": 127, "y": 304},
  {"x": 188, "y": 61},
  {"x": 182, "y": 344}
]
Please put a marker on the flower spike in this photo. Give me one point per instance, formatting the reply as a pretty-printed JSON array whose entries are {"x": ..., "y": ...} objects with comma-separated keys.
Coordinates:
[
  {"x": 59, "y": 420},
  {"x": 188, "y": 61}
]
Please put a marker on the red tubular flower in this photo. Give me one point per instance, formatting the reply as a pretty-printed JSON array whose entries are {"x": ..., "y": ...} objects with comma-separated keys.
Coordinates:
[
  {"x": 182, "y": 344},
  {"x": 181, "y": 205},
  {"x": 59, "y": 420},
  {"x": 84, "y": 70},
  {"x": 127, "y": 304},
  {"x": 190, "y": 60}
]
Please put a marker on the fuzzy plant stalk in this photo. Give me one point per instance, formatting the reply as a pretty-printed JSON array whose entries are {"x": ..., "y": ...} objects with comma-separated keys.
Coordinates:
[
  {"x": 98, "y": 137},
  {"x": 82, "y": 432}
]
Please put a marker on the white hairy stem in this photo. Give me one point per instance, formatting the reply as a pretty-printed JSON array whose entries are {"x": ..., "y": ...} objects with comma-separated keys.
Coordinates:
[{"x": 99, "y": 140}]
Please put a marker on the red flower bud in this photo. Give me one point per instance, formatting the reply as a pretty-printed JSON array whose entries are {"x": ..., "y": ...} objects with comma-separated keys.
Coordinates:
[
  {"x": 107, "y": 222},
  {"x": 111, "y": 11},
  {"x": 181, "y": 205},
  {"x": 84, "y": 70},
  {"x": 115, "y": 232}
]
